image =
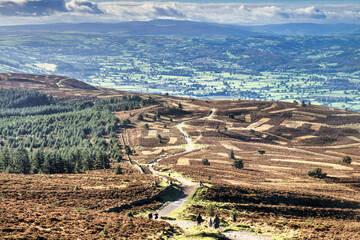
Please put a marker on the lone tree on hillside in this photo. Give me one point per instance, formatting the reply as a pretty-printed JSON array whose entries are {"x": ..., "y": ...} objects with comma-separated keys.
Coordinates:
[
  {"x": 118, "y": 170},
  {"x": 140, "y": 117},
  {"x": 316, "y": 173},
  {"x": 146, "y": 126},
  {"x": 347, "y": 160},
  {"x": 303, "y": 104},
  {"x": 231, "y": 154},
  {"x": 158, "y": 114},
  {"x": 205, "y": 161},
  {"x": 238, "y": 163}
]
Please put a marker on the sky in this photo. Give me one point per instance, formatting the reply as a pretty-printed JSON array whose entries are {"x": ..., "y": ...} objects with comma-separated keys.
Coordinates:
[
  {"x": 289, "y": 2},
  {"x": 240, "y": 12}
]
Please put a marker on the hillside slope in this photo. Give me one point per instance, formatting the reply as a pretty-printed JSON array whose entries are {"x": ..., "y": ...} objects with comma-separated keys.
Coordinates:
[{"x": 278, "y": 143}]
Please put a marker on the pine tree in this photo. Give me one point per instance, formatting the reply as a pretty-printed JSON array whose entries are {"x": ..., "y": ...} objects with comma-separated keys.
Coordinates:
[{"x": 21, "y": 161}]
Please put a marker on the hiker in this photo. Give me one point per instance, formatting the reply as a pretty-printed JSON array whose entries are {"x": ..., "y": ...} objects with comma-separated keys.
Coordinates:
[
  {"x": 201, "y": 184},
  {"x": 156, "y": 215},
  {"x": 210, "y": 223},
  {"x": 234, "y": 218},
  {"x": 150, "y": 216},
  {"x": 216, "y": 222},
  {"x": 199, "y": 219}
]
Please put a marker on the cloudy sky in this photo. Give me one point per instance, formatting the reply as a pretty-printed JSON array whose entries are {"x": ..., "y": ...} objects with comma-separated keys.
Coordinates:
[{"x": 241, "y": 12}]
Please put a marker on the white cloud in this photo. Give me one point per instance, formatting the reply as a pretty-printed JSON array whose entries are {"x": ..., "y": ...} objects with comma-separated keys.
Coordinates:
[
  {"x": 83, "y": 6},
  {"x": 231, "y": 13}
]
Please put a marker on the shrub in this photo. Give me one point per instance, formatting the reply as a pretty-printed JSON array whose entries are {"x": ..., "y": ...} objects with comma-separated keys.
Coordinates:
[
  {"x": 205, "y": 161},
  {"x": 210, "y": 210},
  {"x": 316, "y": 173},
  {"x": 146, "y": 126},
  {"x": 252, "y": 131},
  {"x": 261, "y": 152},
  {"x": 347, "y": 160},
  {"x": 80, "y": 209},
  {"x": 140, "y": 117},
  {"x": 118, "y": 170},
  {"x": 238, "y": 163},
  {"x": 104, "y": 232},
  {"x": 129, "y": 214}
]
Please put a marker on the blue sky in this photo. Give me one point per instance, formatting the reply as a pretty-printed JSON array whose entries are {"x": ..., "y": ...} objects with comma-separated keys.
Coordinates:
[
  {"x": 288, "y": 2},
  {"x": 241, "y": 12}
]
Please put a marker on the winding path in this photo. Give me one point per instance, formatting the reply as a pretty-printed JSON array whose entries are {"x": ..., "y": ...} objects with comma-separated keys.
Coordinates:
[{"x": 188, "y": 188}]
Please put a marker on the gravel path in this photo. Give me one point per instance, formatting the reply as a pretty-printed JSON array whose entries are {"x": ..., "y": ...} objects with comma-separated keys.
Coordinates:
[
  {"x": 188, "y": 189},
  {"x": 243, "y": 235}
]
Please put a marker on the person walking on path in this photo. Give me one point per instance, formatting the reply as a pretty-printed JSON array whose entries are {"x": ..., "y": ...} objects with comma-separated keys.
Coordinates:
[
  {"x": 210, "y": 223},
  {"x": 156, "y": 215},
  {"x": 150, "y": 216},
  {"x": 199, "y": 219},
  {"x": 234, "y": 217},
  {"x": 216, "y": 222}
]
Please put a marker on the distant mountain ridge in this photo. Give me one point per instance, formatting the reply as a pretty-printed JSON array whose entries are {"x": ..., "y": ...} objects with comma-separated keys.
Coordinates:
[{"x": 189, "y": 28}]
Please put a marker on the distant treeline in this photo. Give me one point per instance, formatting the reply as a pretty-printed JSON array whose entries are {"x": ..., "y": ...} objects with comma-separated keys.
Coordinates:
[{"x": 68, "y": 137}]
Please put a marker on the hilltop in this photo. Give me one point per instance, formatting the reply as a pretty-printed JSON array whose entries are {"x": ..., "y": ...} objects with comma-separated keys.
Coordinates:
[{"x": 278, "y": 143}]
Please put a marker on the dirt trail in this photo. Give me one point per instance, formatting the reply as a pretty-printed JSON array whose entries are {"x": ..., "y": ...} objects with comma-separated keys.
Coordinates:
[{"x": 188, "y": 188}]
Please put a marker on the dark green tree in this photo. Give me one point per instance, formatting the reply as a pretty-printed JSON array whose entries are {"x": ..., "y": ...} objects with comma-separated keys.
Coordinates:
[
  {"x": 231, "y": 154},
  {"x": 347, "y": 160},
  {"x": 21, "y": 161},
  {"x": 316, "y": 173},
  {"x": 238, "y": 163},
  {"x": 140, "y": 117}
]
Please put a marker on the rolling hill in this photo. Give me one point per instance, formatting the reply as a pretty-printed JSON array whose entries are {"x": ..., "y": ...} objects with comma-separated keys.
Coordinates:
[
  {"x": 188, "y": 28},
  {"x": 278, "y": 143}
]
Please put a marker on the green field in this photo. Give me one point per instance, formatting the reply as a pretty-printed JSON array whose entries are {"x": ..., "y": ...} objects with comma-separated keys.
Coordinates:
[{"x": 321, "y": 69}]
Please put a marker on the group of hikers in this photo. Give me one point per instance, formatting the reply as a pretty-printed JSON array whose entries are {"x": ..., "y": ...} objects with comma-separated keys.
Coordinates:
[
  {"x": 212, "y": 223},
  {"x": 215, "y": 223},
  {"x": 156, "y": 215}
]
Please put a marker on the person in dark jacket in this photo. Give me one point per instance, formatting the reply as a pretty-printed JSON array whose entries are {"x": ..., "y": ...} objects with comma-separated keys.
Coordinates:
[
  {"x": 216, "y": 222},
  {"x": 150, "y": 216},
  {"x": 156, "y": 215},
  {"x": 199, "y": 219}
]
